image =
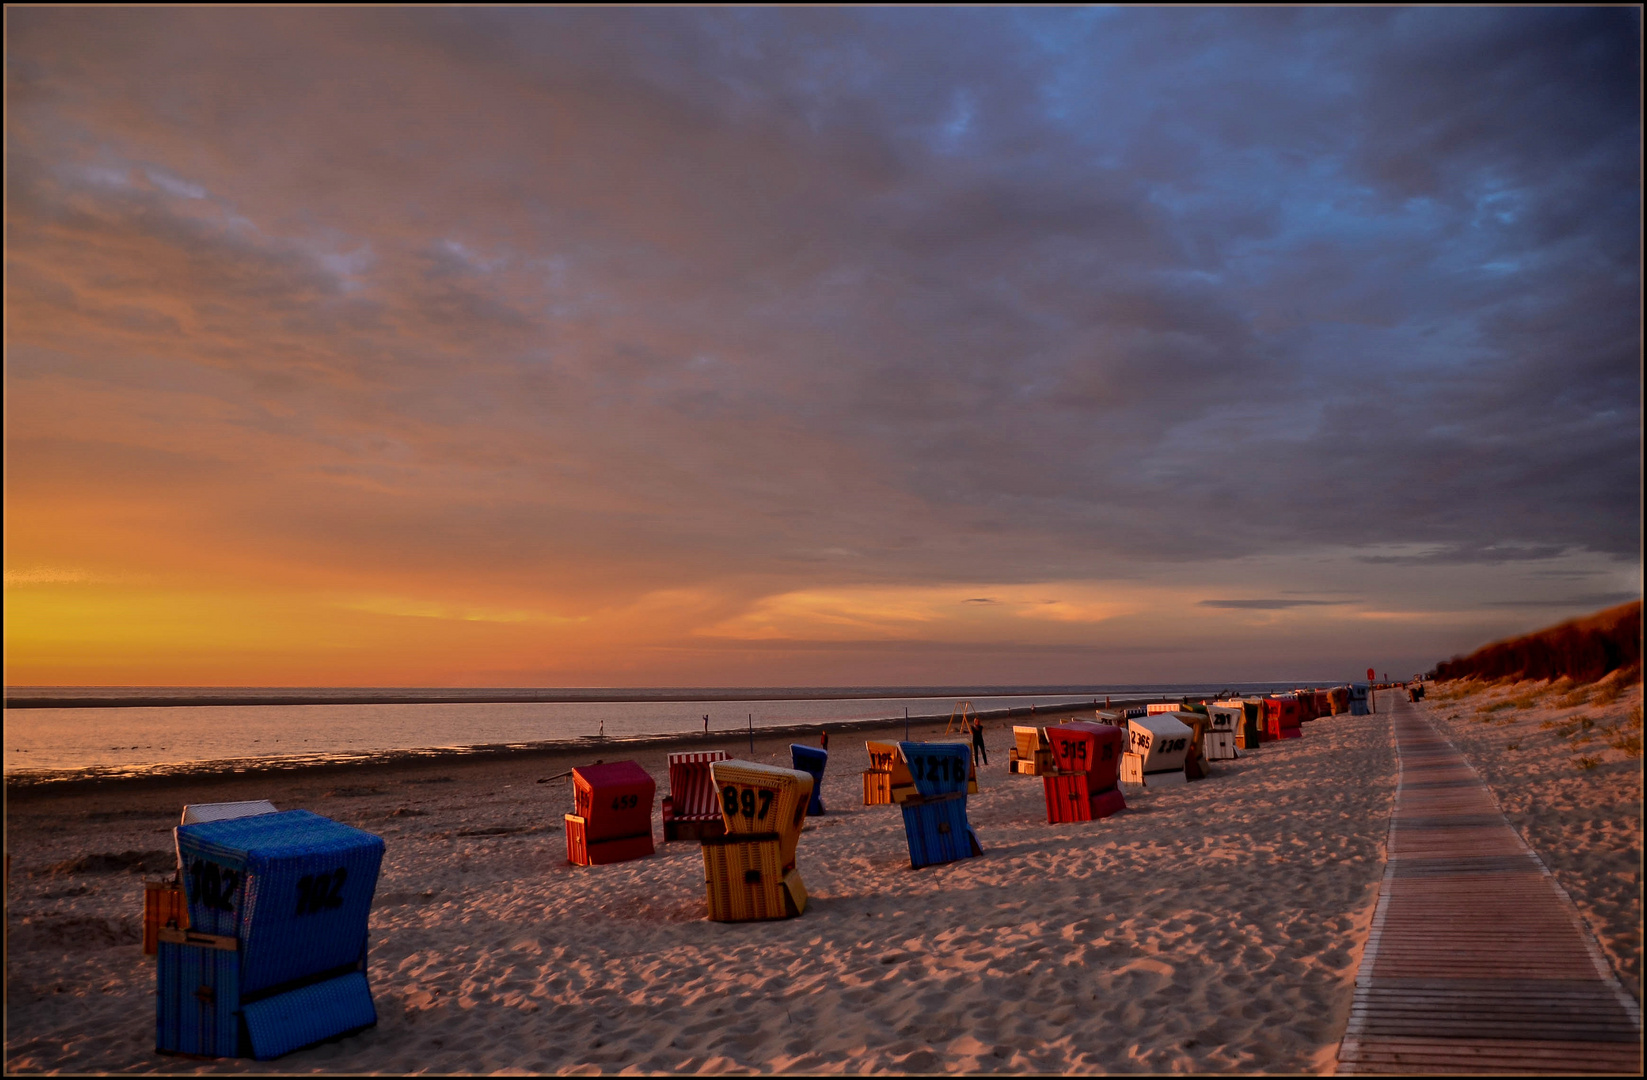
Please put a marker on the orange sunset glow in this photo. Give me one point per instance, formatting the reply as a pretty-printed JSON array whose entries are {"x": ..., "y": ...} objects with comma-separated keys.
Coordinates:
[{"x": 350, "y": 348}]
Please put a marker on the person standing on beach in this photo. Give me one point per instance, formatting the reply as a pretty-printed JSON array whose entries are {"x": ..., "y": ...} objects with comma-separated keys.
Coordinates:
[
  {"x": 978, "y": 741},
  {"x": 823, "y": 739}
]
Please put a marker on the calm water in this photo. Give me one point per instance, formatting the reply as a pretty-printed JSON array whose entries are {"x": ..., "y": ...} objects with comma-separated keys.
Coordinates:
[{"x": 140, "y": 739}]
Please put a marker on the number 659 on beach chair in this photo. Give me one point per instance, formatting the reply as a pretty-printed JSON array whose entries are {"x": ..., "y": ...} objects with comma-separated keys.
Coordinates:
[
  {"x": 750, "y": 871},
  {"x": 935, "y": 816},
  {"x": 613, "y": 822}
]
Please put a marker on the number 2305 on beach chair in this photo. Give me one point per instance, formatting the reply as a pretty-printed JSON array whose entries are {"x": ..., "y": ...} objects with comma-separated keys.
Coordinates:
[
  {"x": 935, "y": 816},
  {"x": 613, "y": 822},
  {"x": 750, "y": 872},
  {"x": 275, "y": 955}
]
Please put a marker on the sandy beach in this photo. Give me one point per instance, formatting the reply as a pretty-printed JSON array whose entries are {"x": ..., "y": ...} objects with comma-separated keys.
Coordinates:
[
  {"x": 1559, "y": 760},
  {"x": 1211, "y": 927}
]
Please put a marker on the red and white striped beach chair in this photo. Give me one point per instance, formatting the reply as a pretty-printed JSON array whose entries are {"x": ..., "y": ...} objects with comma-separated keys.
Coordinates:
[{"x": 692, "y": 811}]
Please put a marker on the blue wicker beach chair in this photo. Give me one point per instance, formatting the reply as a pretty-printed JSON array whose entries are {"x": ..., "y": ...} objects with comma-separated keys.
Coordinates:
[
  {"x": 811, "y": 760},
  {"x": 275, "y": 955},
  {"x": 935, "y": 816}
]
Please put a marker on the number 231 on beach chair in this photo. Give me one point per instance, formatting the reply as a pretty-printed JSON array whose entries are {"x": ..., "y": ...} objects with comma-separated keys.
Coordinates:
[
  {"x": 613, "y": 822},
  {"x": 750, "y": 871},
  {"x": 275, "y": 955},
  {"x": 1084, "y": 783},
  {"x": 935, "y": 816}
]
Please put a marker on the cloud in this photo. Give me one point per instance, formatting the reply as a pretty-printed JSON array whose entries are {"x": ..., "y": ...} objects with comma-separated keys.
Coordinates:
[
  {"x": 553, "y": 309},
  {"x": 1586, "y": 601},
  {"x": 1270, "y": 605}
]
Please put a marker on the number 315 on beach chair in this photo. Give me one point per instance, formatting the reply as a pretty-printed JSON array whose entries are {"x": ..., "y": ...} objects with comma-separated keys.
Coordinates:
[
  {"x": 750, "y": 872},
  {"x": 935, "y": 816}
]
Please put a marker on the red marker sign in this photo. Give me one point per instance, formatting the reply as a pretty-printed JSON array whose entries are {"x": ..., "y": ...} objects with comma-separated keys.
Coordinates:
[{"x": 1370, "y": 675}]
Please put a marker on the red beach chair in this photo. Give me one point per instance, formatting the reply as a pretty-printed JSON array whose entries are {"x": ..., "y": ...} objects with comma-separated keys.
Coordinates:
[
  {"x": 1084, "y": 783},
  {"x": 1281, "y": 718},
  {"x": 613, "y": 822},
  {"x": 692, "y": 810}
]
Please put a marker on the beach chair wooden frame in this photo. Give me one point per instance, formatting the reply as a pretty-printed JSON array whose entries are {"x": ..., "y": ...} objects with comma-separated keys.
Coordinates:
[{"x": 692, "y": 809}]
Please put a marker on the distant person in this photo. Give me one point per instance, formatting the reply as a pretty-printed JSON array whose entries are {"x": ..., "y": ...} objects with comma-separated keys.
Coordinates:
[
  {"x": 978, "y": 741},
  {"x": 706, "y": 723},
  {"x": 823, "y": 739},
  {"x": 602, "y": 728}
]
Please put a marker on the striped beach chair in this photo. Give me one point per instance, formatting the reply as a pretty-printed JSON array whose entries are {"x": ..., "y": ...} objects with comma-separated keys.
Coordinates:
[
  {"x": 274, "y": 958},
  {"x": 613, "y": 822},
  {"x": 1084, "y": 783},
  {"x": 749, "y": 870},
  {"x": 692, "y": 809}
]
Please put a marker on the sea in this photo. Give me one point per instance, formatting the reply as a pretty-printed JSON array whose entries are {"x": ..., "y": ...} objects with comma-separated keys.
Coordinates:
[{"x": 66, "y": 733}]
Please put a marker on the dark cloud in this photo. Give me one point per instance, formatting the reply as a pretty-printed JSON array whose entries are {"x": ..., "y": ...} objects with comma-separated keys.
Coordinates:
[
  {"x": 971, "y": 294},
  {"x": 1583, "y": 602}
]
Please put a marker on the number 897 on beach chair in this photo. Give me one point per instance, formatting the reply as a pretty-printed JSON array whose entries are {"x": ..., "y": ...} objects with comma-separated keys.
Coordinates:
[{"x": 750, "y": 871}]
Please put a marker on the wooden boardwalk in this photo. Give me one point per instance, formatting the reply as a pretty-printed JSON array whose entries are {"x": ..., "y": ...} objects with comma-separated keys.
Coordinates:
[{"x": 1477, "y": 960}]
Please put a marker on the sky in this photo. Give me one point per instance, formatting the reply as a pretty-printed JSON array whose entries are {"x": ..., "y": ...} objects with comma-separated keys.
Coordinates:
[{"x": 465, "y": 346}]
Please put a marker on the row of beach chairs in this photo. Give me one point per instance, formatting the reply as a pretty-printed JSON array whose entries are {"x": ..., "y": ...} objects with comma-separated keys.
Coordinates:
[{"x": 261, "y": 939}]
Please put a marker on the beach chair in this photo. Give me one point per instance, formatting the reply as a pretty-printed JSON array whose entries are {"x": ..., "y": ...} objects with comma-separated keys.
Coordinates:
[
  {"x": 1030, "y": 754},
  {"x": 750, "y": 871},
  {"x": 613, "y": 819},
  {"x": 1160, "y": 743},
  {"x": 935, "y": 820},
  {"x": 692, "y": 809},
  {"x": 1323, "y": 704},
  {"x": 811, "y": 760},
  {"x": 1161, "y": 707},
  {"x": 1358, "y": 699},
  {"x": 1280, "y": 718},
  {"x": 1220, "y": 742},
  {"x": 163, "y": 908},
  {"x": 275, "y": 955},
  {"x": 1084, "y": 783},
  {"x": 1195, "y": 761},
  {"x": 887, "y": 780}
]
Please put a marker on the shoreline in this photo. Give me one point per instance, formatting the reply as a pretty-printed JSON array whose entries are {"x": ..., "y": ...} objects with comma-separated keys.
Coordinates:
[{"x": 80, "y": 781}]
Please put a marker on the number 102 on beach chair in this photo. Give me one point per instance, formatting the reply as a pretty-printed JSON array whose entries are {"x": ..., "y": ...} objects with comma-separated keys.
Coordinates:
[
  {"x": 935, "y": 816},
  {"x": 750, "y": 872}
]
